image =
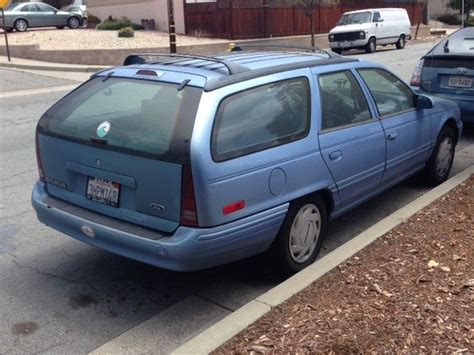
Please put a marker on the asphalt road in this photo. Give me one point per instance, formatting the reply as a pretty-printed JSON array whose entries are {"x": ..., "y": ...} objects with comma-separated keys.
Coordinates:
[{"x": 58, "y": 295}]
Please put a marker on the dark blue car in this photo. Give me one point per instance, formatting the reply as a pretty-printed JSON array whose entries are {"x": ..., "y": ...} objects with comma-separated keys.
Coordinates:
[{"x": 447, "y": 71}]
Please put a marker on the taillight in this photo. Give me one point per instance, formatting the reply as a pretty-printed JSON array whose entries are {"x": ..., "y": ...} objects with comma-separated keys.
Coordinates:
[
  {"x": 416, "y": 76},
  {"x": 38, "y": 158},
  {"x": 189, "y": 215}
]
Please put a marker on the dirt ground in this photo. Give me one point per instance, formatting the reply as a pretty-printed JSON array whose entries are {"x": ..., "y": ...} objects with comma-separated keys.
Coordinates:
[
  {"x": 411, "y": 291},
  {"x": 48, "y": 38}
]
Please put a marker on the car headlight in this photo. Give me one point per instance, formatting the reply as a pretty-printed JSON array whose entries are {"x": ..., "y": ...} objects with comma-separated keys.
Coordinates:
[
  {"x": 331, "y": 38},
  {"x": 362, "y": 34}
]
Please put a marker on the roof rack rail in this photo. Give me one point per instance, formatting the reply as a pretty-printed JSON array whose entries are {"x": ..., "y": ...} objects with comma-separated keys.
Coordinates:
[
  {"x": 239, "y": 47},
  {"x": 137, "y": 58}
]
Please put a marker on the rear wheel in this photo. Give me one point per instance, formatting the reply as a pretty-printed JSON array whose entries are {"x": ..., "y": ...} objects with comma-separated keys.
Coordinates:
[
  {"x": 59, "y": 27},
  {"x": 371, "y": 46},
  {"x": 401, "y": 42},
  {"x": 337, "y": 50},
  {"x": 20, "y": 25},
  {"x": 441, "y": 160},
  {"x": 301, "y": 236},
  {"x": 73, "y": 22}
]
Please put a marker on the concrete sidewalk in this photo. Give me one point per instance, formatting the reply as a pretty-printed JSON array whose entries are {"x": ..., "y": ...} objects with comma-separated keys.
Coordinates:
[{"x": 28, "y": 64}]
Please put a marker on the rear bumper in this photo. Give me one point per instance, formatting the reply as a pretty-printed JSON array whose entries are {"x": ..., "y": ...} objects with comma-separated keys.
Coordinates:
[
  {"x": 465, "y": 103},
  {"x": 187, "y": 249}
]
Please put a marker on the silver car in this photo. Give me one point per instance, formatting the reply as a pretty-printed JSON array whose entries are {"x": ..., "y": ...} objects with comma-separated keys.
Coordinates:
[{"x": 22, "y": 16}]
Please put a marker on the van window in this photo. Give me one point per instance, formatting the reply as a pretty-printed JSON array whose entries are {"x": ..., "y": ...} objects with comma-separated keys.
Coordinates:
[
  {"x": 358, "y": 17},
  {"x": 260, "y": 118},
  {"x": 141, "y": 116},
  {"x": 376, "y": 16}
]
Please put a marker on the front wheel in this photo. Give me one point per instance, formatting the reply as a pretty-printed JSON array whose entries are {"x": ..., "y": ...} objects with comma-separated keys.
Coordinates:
[
  {"x": 401, "y": 42},
  {"x": 439, "y": 166},
  {"x": 301, "y": 236},
  {"x": 59, "y": 27},
  {"x": 371, "y": 46},
  {"x": 73, "y": 23}
]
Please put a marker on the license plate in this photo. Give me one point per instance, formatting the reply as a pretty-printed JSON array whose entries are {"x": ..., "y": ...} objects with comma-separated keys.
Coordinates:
[
  {"x": 460, "y": 82},
  {"x": 103, "y": 191}
]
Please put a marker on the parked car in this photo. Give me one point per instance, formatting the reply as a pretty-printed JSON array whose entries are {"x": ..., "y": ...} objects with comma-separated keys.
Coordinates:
[
  {"x": 365, "y": 29},
  {"x": 447, "y": 71},
  {"x": 26, "y": 15},
  {"x": 80, "y": 10},
  {"x": 192, "y": 161}
]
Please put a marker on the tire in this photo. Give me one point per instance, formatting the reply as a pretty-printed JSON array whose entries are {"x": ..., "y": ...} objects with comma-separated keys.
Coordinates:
[
  {"x": 20, "y": 25},
  {"x": 439, "y": 166},
  {"x": 304, "y": 228},
  {"x": 371, "y": 45},
  {"x": 73, "y": 22},
  {"x": 337, "y": 50},
  {"x": 401, "y": 42},
  {"x": 59, "y": 27}
]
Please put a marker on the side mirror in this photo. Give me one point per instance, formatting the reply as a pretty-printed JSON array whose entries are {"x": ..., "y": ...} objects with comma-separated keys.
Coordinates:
[
  {"x": 422, "y": 101},
  {"x": 380, "y": 20}
]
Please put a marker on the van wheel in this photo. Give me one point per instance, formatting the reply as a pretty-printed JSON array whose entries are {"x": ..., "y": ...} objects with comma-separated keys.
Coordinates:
[
  {"x": 439, "y": 166},
  {"x": 401, "y": 42},
  {"x": 301, "y": 236},
  {"x": 337, "y": 50},
  {"x": 371, "y": 46}
]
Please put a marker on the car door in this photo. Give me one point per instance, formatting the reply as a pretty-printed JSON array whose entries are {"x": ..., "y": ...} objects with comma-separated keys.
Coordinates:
[
  {"x": 30, "y": 12},
  {"x": 48, "y": 16},
  {"x": 352, "y": 140},
  {"x": 407, "y": 129}
]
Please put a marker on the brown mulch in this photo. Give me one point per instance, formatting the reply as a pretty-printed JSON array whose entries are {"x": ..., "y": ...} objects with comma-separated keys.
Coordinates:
[{"x": 410, "y": 291}]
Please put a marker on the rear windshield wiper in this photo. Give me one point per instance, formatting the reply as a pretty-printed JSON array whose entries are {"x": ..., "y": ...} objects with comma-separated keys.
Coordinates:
[
  {"x": 446, "y": 49},
  {"x": 101, "y": 141}
]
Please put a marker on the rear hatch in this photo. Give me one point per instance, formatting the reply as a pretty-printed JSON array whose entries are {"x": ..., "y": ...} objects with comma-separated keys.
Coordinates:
[
  {"x": 117, "y": 146},
  {"x": 449, "y": 67}
]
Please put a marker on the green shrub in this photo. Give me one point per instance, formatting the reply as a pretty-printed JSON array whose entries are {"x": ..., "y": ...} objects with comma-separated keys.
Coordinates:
[
  {"x": 450, "y": 19},
  {"x": 113, "y": 24},
  {"x": 126, "y": 32}
]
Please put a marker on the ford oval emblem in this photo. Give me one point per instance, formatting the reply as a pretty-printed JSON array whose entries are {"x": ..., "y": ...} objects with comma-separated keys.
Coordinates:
[{"x": 88, "y": 231}]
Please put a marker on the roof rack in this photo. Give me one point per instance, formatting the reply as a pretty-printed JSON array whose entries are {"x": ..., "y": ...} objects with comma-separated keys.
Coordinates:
[
  {"x": 239, "y": 47},
  {"x": 137, "y": 58}
]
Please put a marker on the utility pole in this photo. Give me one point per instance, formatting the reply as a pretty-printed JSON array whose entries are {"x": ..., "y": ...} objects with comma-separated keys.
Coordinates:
[
  {"x": 171, "y": 27},
  {"x": 5, "y": 30},
  {"x": 462, "y": 14}
]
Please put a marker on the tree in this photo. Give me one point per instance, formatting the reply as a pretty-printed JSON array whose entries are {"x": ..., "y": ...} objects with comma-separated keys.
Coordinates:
[
  {"x": 308, "y": 6},
  {"x": 468, "y": 6}
]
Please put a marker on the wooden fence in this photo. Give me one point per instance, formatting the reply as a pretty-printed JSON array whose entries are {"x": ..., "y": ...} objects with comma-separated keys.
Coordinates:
[{"x": 241, "y": 19}]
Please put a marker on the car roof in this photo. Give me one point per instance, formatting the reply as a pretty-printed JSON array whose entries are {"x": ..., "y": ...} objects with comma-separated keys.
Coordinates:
[
  {"x": 373, "y": 10},
  {"x": 228, "y": 68}
]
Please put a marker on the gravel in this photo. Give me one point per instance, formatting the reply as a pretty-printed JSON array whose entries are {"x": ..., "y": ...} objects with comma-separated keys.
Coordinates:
[
  {"x": 94, "y": 39},
  {"x": 411, "y": 291}
]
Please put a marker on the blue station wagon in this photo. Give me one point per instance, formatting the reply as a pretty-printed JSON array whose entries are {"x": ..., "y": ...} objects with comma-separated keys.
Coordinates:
[{"x": 187, "y": 162}]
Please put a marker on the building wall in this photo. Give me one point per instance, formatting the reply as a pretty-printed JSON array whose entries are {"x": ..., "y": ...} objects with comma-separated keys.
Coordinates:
[
  {"x": 439, "y": 7},
  {"x": 137, "y": 10}
]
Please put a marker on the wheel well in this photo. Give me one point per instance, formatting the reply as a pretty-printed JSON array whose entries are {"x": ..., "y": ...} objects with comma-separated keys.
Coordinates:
[
  {"x": 74, "y": 16},
  {"x": 21, "y": 18},
  {"x": 328, "y": 200},
  {"x": 451, "y": 123}
]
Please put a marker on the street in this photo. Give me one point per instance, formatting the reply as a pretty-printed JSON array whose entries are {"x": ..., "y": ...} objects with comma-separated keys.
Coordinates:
[{"x": 58, "y": 295}]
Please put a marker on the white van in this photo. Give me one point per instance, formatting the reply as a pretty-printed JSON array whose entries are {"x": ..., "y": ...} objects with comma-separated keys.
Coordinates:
[{"x": 365, "y": 29}]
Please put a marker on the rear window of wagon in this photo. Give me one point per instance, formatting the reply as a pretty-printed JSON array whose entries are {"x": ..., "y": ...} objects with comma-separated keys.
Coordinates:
[{"x": 141, "y": 117}]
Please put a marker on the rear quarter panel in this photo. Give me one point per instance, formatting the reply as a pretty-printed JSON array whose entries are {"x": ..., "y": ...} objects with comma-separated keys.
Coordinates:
[{"x": 298, "y": 164}]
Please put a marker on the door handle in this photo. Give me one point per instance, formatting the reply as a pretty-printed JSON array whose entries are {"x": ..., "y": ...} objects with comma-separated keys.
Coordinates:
[
  {"x": 335, "y": 155},
  {"x": 392, "y": 136}
]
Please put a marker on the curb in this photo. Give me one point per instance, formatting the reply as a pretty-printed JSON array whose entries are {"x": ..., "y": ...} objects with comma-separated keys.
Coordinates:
[
  {"x": 49, "y": 67},
  {"x": 222, "y": 331}
]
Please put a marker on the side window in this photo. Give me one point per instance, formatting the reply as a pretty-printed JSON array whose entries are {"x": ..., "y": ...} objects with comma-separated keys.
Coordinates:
[
  {"x": 376, "y": 17},
  {"x": 390, "y": 93},
  {"x": 29, "y": 8},
  {"x": 343, "y": 102},
  {"x": 45, "y": 8},
  {"x": 260, "y": 118}
]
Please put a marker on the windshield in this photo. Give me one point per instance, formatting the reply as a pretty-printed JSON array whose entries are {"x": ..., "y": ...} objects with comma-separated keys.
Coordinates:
[
  {"x": 359, "y": 17},
  {"x": 143, "y": 116}
]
